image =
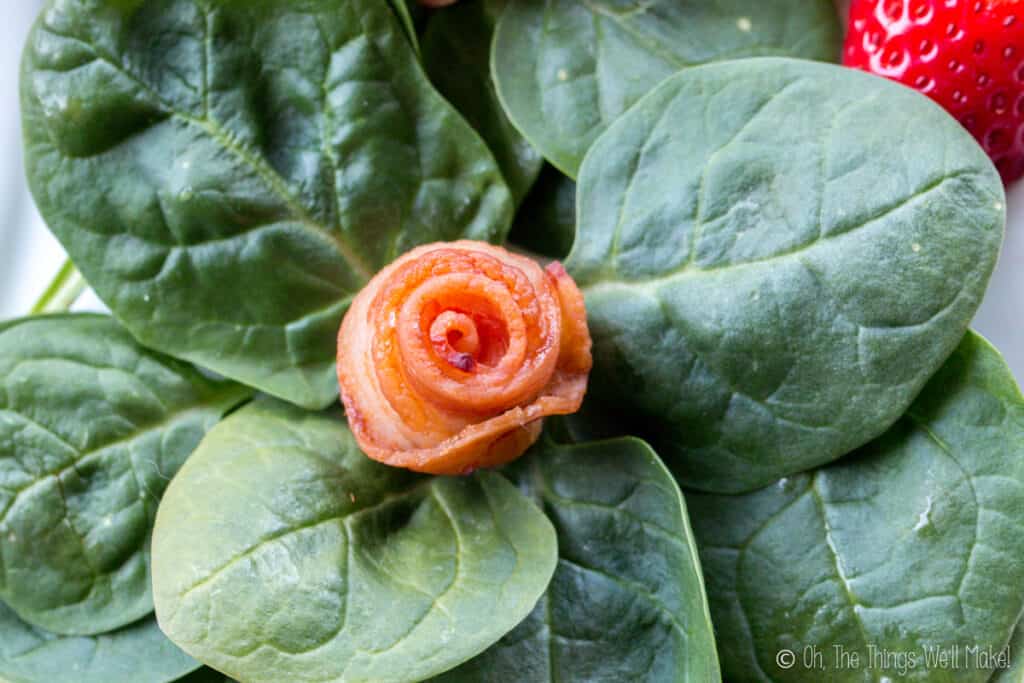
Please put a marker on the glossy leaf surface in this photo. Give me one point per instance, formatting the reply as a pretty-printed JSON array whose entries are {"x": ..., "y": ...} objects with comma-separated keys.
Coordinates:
[
  {"x": 92, "y": 427},
  {"x": 566, "y": 69},
  {"x": 773, "y": 288},
  {"x": 627, "y": 600},
  {"x": 386, "y": 575},
  {"x": 228, "y": 174},
  {"x": 908, "y": 546},
  {"x": 1013, "y": 671},
  {"x": 457, "y": 55},
  {"x": 138, "y": 653}
]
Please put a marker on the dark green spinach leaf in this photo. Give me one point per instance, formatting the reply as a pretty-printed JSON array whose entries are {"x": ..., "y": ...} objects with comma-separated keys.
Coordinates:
[
  {"x": 282, "y": 552},
  {"x": 772, "y": 287},
  {"x": 228, "y": 174},
  {"x": 909, "y": 546},
  {"x": 565, "y": 69},
  {"x": 1014, "y": 673},
  {"x": 456, "y": 53},
  {"x": 627, "y": 600},
  {"x": 92, "y": 427},
  {"x": 138, "y": 653},
  {"x": 404, "y": 10}
]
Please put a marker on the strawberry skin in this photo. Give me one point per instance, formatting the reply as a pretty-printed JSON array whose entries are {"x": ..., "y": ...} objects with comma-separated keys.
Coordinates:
[{"x": 967, "y": 55}]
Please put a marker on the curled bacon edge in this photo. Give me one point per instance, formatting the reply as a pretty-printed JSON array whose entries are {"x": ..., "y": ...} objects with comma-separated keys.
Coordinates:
[{"x": 450, "y": 357}]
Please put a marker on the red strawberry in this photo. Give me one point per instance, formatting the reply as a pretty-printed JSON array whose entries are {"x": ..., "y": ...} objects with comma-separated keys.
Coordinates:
[{"x": 967, "y": 55}]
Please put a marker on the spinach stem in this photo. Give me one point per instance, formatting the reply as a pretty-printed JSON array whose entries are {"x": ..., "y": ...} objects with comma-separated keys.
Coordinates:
[{"x": 64, "y": 291}]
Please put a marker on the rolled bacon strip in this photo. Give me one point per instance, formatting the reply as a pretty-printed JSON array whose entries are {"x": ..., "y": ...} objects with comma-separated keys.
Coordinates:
[{"x": 451, "y": 356}]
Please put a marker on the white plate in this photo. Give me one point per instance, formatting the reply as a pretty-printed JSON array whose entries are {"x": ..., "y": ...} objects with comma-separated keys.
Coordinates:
[{"x": 29, "y": 256}]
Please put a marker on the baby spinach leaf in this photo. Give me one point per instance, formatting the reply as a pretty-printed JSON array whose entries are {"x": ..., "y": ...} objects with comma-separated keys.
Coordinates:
[
  {"x": 228, "y": 174},
  {"x": 909, "y": 546},
  {"x": 1014, "y": 672},
  {"x": 774, "y": 287},
  {"x": 404, "y": 12},
  {"x": 565, "y": 69},
  {"x": 546, "y": 222},
  {"x": 386, "y": 575},
  {"x": 627, "y": 599},
  {"x": 92, "y": 427},
  {"x": 138, "y": 653},
  {"x": 456, "y": 53}
]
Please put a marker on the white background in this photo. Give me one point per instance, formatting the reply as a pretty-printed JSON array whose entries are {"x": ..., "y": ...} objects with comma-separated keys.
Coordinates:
[{"x": 29, "y": 256}]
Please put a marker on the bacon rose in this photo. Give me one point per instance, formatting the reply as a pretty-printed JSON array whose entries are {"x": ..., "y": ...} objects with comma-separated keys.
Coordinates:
[{"x": 450, "y": 357}]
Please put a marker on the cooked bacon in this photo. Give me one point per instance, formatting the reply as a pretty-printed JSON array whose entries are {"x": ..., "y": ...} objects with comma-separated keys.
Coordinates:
[{"x": 451, "y": 356}]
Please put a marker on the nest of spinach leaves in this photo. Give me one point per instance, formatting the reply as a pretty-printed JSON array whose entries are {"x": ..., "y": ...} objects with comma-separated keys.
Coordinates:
[{"x": 780, "y": 258}]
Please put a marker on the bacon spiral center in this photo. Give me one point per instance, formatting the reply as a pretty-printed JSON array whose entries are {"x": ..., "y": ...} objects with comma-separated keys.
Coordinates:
[{"x": 454, "y": 348}]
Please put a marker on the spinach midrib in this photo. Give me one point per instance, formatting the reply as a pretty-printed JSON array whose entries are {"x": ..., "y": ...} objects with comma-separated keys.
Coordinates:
[
  {"x": 606, "y": 280},
  {"x": 845, "y": 582},
  {"x": 636, "y": 589},
  {"x": 664, "y": 52},
  {"x": 83, "y": 551},
  {"x": 653, "y": 46},
  {"x": 345, "y": 519},
  {"x": 700, "y": 220},
  {"x": 170, "y": 419},
  {"x": 946, "y": 450},
  {"x": 46, "y": 639},
  {"x": 436, "y": 602},
  {"x": 837, "y": 562},
  {"x": 274, "y": 181},
  {"x": 647, "y": 525},
  {"x": 334, "y": 516},
  {"x": 547, "y": 496}
]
